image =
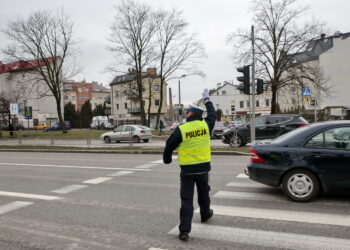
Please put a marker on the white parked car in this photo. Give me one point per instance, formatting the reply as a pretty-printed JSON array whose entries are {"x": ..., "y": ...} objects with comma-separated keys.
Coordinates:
[{"x": 134, "y": 133}]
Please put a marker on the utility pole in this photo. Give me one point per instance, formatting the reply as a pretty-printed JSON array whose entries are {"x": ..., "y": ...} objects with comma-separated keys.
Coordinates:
[
  {"x": 252, "y": 122},
  {"x": 171, "y": 109}
]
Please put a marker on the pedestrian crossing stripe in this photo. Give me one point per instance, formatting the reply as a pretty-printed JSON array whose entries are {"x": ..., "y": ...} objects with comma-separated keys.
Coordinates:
[
  {"x": 264, "y": 238},
  {"x": 282, "y": 215}
]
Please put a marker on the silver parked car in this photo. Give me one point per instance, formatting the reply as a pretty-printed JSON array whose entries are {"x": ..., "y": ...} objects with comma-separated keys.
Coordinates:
[{"x": 134, "y": 133}]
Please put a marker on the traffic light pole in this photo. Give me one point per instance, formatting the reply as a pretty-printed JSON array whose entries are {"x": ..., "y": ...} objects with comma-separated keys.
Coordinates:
[{"x": 252, "y": 123}]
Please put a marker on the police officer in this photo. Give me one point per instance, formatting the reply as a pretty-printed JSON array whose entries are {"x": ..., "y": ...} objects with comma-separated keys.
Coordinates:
[{"x": 192, "y": 140}]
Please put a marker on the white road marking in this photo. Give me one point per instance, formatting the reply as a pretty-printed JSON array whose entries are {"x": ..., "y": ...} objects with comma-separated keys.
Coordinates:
[
  {"x": 97, "y": 180},
  {"x": 29, "y": 196},
  {"x": 121, "y": 173},
  {"x": 246, "y": 184},
  {"x": 154, "y": 248},
  {"x": 157, "y": 161},
  {"x": 13, "y": 206},
  {"x": 149, "y": 165},
  {"x": 242, "y": 176},
  {"x": 249, "y": 196},
  {"x": 68, "y": 189},
  {"x": 66, "y": 166},
  {"x": 283, "y": 215},
  {"x": 266, "y": 239},
  {"x": 174, "y": 157}
]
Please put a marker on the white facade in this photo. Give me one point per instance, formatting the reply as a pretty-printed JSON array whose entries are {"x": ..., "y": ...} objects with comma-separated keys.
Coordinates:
[
  {"x": 335, "y": 63},
  {"x": 234, "y": 104},
  {"x": 19, "y": 87}
]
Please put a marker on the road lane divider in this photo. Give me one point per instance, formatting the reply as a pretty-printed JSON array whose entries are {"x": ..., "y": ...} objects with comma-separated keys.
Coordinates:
[
  {"x": 250, "y": 196},
  {"x": 242, "y": 176},
  {"x": 157, "y": 161},
  {"x": 121, "y": 173},
  {"x": 264, "y": 238},
  {"x": 97, "y": 180},
  {"x": 68, "y": 189},
  {"x": 149, "y": 165},
  {"x": 67, "y": 166},
  {"x": 247, "y": 185},
  {"x": 30, "y": 196},
  {"x": 14, "y": 206},
  {"x": 282, "y": 215}
]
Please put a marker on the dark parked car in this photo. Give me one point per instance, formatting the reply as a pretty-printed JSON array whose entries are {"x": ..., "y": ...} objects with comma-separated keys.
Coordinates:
[
  {"x": 267, "y": 127},
  {"x": 57, "y": 126},
  {"x": 305, "y": 161},
  {"x": 218, "y": 130}
]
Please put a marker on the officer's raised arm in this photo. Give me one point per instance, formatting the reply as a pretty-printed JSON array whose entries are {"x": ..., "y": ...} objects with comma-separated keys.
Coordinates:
[{"x": 211, "y": 114}]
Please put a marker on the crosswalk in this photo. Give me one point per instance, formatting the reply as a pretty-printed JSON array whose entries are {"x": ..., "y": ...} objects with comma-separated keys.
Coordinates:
[{"x": 250, "y": 202}]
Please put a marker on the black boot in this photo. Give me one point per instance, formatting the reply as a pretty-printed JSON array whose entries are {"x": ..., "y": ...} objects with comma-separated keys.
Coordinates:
[
  {"x": 184, "y": 236},
  {"x": 205, "y": 219}
]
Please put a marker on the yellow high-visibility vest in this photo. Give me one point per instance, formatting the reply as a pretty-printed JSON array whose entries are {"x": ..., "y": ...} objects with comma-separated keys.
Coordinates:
[{"x": 195, "y": 146}]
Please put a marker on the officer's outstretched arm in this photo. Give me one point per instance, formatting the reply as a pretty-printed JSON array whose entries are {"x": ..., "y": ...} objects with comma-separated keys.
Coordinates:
[{"x": 171, "y": 144}]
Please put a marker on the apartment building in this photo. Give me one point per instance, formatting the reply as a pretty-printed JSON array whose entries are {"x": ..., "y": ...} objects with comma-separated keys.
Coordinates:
[
  {"x": 236, "y": 105},
  {"x": 125, "y": 104},
  {"x": 19, "y": 83},
  {"x": 78, "y": 93}
]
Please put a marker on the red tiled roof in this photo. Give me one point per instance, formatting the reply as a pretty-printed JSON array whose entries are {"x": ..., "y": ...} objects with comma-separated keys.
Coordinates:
[{"x": 23, "y": 65}]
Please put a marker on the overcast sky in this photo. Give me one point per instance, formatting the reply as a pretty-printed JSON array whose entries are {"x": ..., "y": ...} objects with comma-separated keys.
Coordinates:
[{"x": 213, "y": 20}]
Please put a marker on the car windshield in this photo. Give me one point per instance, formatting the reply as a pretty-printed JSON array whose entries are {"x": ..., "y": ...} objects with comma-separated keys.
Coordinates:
[
  {"x": 291, "y": 134},
  {"x": 219, "y": 125}
]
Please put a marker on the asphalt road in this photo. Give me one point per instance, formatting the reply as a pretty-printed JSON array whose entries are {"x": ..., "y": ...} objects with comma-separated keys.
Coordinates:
[{"x": 88, "y": 201}]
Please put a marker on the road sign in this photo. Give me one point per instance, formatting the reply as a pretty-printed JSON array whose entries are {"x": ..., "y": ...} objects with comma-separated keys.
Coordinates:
[
  {"x": 306, "y": 92},
  {"x": 307, "y": 98},
  {"x": 14, "y": 108},
  {"x": 28, "y": 112}
]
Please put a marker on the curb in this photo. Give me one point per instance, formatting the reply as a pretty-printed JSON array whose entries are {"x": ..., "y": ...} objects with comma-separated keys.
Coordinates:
[{"x": 157, "y": 152}]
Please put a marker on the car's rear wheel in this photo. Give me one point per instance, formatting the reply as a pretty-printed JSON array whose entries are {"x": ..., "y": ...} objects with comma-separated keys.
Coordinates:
[
  {"x": 107, "y": 139},
  {"x": 146, "y": 140},
  {"x": 236, "y": 141},
  {"x": 136, "y": 139},
  {"x": 300, "y": 185},
  {"x": 117, "y": 141}
]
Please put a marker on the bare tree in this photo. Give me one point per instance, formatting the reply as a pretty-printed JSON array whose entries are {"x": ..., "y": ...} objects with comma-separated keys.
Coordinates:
[
  {"x": 278, "y": 38},
  {"x": 46, "y": 38},
  {"x": 131, "y": 40},
  {"x": 176, "y": 50}
]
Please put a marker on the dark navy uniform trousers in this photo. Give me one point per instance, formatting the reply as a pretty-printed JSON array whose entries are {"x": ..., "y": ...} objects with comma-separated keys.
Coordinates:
[{"x": 186, "y": 192}]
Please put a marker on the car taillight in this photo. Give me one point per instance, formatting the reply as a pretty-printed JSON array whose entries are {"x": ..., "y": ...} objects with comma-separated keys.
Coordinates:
[
  {"x": 142, "y": 131},
  {"x": 255, "y": 157},
  {"x": 301, "y": 124}
]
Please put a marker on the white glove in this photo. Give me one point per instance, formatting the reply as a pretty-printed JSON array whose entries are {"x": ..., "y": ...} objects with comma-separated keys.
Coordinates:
[{"x": 205, "y": 93}]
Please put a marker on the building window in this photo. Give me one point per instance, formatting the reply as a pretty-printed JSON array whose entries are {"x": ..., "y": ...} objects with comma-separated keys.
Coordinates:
[
  {"x": 80, "y": 98},
  {"x": 86, "y": 90},
  {"x": 248, "y": 104},
  {"x": 156, "y": 102},
  {"x": 117, "y": 106},
  {"x": 86, "y": 98},
  {"x": 267, "y": 102},
  {"x": 156, "y": 88},
  {"x": 80, "y": 90},
  {"x": 116, "y": 93},
  {"x": 233, "y": 109},
  {"x": 73, "y": 98},
  {"x": 66, "y": 98},
  {"x": 257, "y": 103},
  {"x": 241, "y": 104},
  {"x": 223, "y": 92},
  {"x": 125, "y": 105}
]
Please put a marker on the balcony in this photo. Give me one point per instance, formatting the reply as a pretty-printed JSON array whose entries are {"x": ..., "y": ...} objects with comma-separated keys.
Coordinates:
[{"x": 134, "y": 110}]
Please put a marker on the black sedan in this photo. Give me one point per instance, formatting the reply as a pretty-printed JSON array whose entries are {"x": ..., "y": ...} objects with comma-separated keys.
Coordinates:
[{"x": 305, "y": 161}]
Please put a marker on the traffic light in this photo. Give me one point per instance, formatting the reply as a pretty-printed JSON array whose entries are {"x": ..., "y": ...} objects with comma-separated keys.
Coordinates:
[
  {"x": 245, "y": 79},
  {"x": 259, "y": 86},
  {"x": 313, "y": 102}
]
